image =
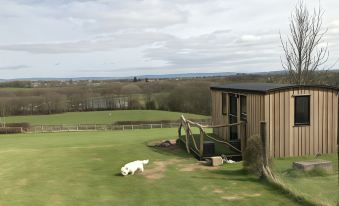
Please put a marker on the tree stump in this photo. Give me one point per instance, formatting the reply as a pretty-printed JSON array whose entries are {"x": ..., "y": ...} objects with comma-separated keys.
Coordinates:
[{"x": 312, "y": 164}]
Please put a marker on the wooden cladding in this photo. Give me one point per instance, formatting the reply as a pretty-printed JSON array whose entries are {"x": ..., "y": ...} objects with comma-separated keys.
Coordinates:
[
  {"x": 277, "y": 109},
  {"x": 254, "y": 112},
  {"x": 288, "y": 139}
]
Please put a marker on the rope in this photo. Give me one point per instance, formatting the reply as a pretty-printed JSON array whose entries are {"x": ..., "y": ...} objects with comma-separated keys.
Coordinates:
[
  {"x": 223, "y": 142},
  {"x": 187, "y": 123},
  {"x": 190, "y": 132}
]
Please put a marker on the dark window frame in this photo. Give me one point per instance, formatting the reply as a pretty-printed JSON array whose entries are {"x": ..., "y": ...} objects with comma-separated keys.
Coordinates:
[
  {"x": 243, "y": 105},
  {"x": 224, "y": 109},
  {"x": 306, "y": 123}
]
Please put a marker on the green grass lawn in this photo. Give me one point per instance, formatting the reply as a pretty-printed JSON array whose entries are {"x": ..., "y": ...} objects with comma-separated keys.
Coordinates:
[
  {"x": 317, "y": 186},
  {"x": 82, "y": 169},
  {"x": 102, "y": 117}
]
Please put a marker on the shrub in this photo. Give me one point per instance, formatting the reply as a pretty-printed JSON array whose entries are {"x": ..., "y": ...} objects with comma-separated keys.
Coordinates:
[
  {"x": 10, "y": 130},
  {"x": 24, "y": 125},
  {"x": 253, "y": 156},
  {"x": 134, "y": 104}
]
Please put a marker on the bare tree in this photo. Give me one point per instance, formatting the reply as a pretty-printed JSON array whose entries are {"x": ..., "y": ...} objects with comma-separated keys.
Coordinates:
[{"x": 304, "y": 51}]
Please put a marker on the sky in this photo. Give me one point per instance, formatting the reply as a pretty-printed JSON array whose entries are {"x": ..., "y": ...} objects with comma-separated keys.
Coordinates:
[{"x": 116, "y": 38}]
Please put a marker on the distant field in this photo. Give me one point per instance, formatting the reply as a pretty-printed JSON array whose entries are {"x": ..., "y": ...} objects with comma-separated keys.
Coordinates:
[{"x": 102, "y": 117}]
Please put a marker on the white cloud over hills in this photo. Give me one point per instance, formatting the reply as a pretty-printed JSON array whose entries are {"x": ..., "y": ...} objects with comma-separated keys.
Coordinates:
[{"x": 70, "y": 38}]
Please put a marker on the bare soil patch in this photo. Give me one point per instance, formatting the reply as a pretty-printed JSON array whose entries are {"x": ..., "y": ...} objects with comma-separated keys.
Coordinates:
[
  {"x": 231, "y": 197},
  {"x": 159, "y": 169},
  {"x": 195, "y": 166},
  {"x": 234, "y": 197}
]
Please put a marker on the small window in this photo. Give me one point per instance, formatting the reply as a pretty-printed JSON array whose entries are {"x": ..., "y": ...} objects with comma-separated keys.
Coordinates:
[
  {"x": 223, "y": 103},
  {"x": 302, "y": 110}
]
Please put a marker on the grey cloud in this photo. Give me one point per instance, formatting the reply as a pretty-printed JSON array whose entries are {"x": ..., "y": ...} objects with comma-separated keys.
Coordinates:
[
  {"x": 15, "y": 67},
  {"x": 104, "y": 43},
  {"x": 217, "y": 50}
]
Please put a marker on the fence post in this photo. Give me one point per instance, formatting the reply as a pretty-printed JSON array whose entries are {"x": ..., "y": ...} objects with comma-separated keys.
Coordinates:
[
  {"x": 161, "y": 125},
  {"x": 132, "y": 127},
  {"x": 151, "y": 126},
  {"x": 264, "y": 141},
  {"x": 77, "y": 127}
]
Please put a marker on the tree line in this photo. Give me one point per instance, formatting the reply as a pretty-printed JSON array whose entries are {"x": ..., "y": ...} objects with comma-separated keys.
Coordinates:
[{"x": 183, "y": 95}]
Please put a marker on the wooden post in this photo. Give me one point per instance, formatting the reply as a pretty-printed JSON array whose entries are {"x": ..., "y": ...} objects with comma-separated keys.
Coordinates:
[
  {"x": 242, "y": 134},
  {"x": 201, "y": 143},
  {"x": 187, "y": 139},
  {"x": 263, "y": 137},
  {"x": 179, "y": 131},
  {"x": 238, "y": 117}
]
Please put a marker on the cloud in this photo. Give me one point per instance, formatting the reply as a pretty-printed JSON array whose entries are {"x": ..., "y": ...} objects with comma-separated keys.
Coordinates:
[
  {"x": 218, "y": 49},
  {"x": 99, "y": 43},
  {"x": 155, "y": 36},
  {"x": 11, "y": 68}
]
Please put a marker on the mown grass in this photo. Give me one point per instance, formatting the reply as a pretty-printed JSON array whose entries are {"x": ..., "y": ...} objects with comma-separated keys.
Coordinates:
[
  {"x": 82, "y": 169},
  {"x": 318, "y": 185},
  {"x": 102, "y": 117}
]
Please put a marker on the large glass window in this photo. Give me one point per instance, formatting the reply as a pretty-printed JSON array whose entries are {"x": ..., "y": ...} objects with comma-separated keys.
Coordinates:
[{"x": 302, "y": 110}]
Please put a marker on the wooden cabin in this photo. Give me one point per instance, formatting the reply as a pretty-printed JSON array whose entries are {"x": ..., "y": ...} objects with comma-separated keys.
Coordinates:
[{"x": 299, "y": 120}]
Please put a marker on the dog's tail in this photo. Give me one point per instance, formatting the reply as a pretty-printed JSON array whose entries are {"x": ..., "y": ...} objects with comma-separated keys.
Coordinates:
[{"x": 145, "y": 162}]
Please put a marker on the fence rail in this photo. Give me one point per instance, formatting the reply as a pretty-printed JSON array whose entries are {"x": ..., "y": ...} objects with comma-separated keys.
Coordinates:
[{"x": 101, "y": 127}]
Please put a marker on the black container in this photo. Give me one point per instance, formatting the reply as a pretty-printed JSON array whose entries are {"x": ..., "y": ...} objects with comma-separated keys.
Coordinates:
[{"x": 209, "y": 149}]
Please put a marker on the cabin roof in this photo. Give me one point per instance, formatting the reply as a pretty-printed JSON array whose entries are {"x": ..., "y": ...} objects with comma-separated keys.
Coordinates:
[{"x": 265, "y": 87}]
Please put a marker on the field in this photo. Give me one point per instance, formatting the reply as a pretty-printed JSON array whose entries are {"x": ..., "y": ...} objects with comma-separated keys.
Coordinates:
[
  {"x": 102, "y": 117},
  {"x": 82, "y": 169}
]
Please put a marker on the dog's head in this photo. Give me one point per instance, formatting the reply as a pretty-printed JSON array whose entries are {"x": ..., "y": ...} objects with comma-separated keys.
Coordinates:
[{"x": 124, "y": 171}]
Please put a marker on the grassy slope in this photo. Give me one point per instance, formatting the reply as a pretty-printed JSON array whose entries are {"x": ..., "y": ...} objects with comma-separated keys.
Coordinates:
[
  {"x": 81, "y": 169},
  {"x": 101, "y": 117},
  {"x": 318, "y": 187}
]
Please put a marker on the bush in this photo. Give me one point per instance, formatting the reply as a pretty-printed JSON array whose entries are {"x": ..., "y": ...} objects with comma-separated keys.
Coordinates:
[
  {"x": 10, "y": 130},
  {"x": 134, "y": 104},
  {"x": 24, "y": 125},
  {"x": 253, "y": 156}
]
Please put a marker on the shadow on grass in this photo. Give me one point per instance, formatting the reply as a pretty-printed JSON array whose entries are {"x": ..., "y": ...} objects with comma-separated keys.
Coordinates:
[{"x": 118, "y": 174}]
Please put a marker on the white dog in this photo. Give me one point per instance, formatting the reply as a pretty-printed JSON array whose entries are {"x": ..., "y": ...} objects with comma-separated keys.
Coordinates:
[{"x": 132, "y": 167}]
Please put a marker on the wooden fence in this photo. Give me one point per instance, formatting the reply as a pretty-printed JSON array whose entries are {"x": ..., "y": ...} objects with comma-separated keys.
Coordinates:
[
  {"x": 198, "y": 149},
  {"x": 101, "y": 127}
]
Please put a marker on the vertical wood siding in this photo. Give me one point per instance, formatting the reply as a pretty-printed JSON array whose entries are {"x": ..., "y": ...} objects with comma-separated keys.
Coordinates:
[
  {"x": 255, "y": 113},
  {"x": 217, "y": 116},
  {"x": 285, "y": 139}
]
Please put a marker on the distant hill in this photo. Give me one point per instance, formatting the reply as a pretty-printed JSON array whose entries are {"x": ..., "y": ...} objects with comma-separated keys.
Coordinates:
[{"x": 160, "y": 76}]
